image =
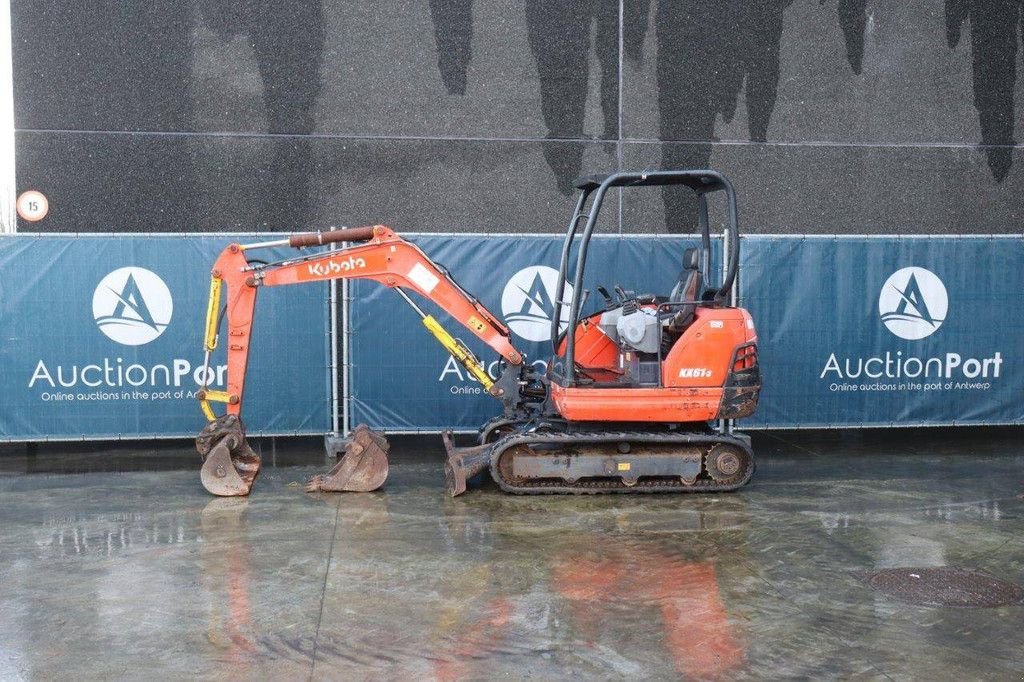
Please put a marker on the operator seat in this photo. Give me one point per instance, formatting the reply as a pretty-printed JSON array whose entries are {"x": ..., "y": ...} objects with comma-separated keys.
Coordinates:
[{"x": 686, "y": 289}]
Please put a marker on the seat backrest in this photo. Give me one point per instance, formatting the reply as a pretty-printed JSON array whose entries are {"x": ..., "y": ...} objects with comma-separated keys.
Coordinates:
[{"x": 687, "y": 288}]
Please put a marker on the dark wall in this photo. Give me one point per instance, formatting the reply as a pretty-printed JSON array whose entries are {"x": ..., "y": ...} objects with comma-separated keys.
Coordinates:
[{"x": 847, "y": 116}]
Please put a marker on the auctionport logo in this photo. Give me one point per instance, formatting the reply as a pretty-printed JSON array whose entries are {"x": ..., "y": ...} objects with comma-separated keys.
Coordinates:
[
  {"x": 132, "y": 306},
  {"x": 527, "y": 302},
  {"x": 913, "y": 303}
]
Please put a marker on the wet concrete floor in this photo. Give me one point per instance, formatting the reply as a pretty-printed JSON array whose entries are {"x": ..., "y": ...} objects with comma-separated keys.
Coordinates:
[{"x": 116, "y": 565}]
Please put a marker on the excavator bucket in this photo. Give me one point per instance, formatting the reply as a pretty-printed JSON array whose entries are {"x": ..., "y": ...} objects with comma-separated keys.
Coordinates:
[
  {"x": 229, "y": 464},
  {"x": 463, "y": 464},
  {"x": 362, "y": 463}
]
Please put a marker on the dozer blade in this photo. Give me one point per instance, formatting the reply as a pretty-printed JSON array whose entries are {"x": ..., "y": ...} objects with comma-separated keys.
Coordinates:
[
  {"x": 229, "y": 464},
  {"x": 362, "y": 465},
  {"x": 463, "y": 464}
]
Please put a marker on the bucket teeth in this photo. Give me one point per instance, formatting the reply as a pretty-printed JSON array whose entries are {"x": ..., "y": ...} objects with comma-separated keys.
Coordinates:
[
  {"x": 229, "y": 464},
  {"x": 463, "y": 464},
  {"x": 362, "y": 463}
]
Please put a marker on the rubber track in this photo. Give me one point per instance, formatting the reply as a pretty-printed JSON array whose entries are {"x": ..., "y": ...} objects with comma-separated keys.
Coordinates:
[{"x": 615, "y": 485}]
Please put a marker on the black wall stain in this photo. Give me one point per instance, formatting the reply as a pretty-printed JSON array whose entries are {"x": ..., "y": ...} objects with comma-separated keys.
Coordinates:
[
  {"x": 287, "y": 37},
  {"x": 126, "y": 67},
  {"x": 634, "y": 28},
  {"x": 708, "y": 52},
  {"x": 559, "y": 33},
  {"x": 453, "y": 33},
  {"x": 853, "y": 19},
  {"x": 995, "y": 27}
]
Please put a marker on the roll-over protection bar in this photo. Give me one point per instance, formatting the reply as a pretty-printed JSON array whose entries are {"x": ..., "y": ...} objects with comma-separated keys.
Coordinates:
[{"x": 702, "y": 182}]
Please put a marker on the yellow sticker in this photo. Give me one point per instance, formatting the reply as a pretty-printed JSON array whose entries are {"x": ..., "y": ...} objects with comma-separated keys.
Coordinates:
[
  {"x": 623, "y": 466},
  {"x": 476, "y": 324}
]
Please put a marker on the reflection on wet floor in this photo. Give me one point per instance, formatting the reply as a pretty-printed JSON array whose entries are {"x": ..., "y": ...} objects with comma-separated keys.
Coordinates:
[
  {"x": 225, "y": 559},
  {"x": 109, "y": 573}
]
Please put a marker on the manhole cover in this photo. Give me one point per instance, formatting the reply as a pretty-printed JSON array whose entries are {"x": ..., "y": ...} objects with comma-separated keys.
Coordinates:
[{"x": 946, "y": 587}]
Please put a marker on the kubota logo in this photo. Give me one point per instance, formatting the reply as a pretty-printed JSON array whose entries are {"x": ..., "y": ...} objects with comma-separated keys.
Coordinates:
[
  {"x": 334, "y": 267},
  {"x": 527, "y": 302},
  {"x": 913, "y": 303},
  {"x": 132, "y": 306}
]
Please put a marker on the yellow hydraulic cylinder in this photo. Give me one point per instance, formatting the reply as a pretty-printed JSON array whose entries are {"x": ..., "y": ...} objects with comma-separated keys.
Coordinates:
[
  {"x": 459, "y": 351},
  {"x": 211, "y": 314}
]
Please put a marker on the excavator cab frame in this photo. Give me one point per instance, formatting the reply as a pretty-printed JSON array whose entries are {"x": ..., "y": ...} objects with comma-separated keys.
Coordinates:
[{"x": 594, "y": 188}]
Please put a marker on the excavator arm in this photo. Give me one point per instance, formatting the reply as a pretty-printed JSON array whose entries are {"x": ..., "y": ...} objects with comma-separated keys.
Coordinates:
[
  {"x": 379, "y": 255},
  {"x": 376, "y": 253}
]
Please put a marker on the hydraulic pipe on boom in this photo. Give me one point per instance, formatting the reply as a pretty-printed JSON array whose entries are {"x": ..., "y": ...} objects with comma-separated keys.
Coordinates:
[{"x": 378, "y": 254}]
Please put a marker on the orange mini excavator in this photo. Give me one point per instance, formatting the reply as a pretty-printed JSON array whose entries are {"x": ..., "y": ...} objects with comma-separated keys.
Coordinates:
[{"x": 636, "y": 399}]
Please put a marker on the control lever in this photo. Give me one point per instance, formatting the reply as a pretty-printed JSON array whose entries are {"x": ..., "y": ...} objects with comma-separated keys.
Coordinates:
[{"x": 608, "y": 300}]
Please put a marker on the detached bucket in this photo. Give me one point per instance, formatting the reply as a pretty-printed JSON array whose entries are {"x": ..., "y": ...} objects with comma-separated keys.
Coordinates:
[
  {"x": 362, "y": 463},
  {"x": 229, "y": 464}
]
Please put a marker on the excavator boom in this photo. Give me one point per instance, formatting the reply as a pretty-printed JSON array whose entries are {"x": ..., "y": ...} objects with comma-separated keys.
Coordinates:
[{"x": 378, "y": 254}]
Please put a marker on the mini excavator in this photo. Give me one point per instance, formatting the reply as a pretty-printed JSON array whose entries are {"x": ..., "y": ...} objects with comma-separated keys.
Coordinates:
[{"x": 637, "y": 398}]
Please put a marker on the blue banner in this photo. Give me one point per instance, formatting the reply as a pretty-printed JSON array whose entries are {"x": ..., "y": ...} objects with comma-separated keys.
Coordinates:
[
  {"x": 102, "y": 334},
  {"x": 871, "y": 331},
  {"x": 880, "y": 331},
  {"x": 102, "y": 338},
  {"x": 402, "y": 380}
]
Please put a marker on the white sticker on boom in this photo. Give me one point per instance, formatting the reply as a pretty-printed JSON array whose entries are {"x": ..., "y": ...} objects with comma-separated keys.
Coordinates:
[{"x": 423, "y": 278}]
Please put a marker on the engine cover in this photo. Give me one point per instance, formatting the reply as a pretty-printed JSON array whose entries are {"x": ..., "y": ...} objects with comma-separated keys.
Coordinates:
[{"x": 639, "y": 330}]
